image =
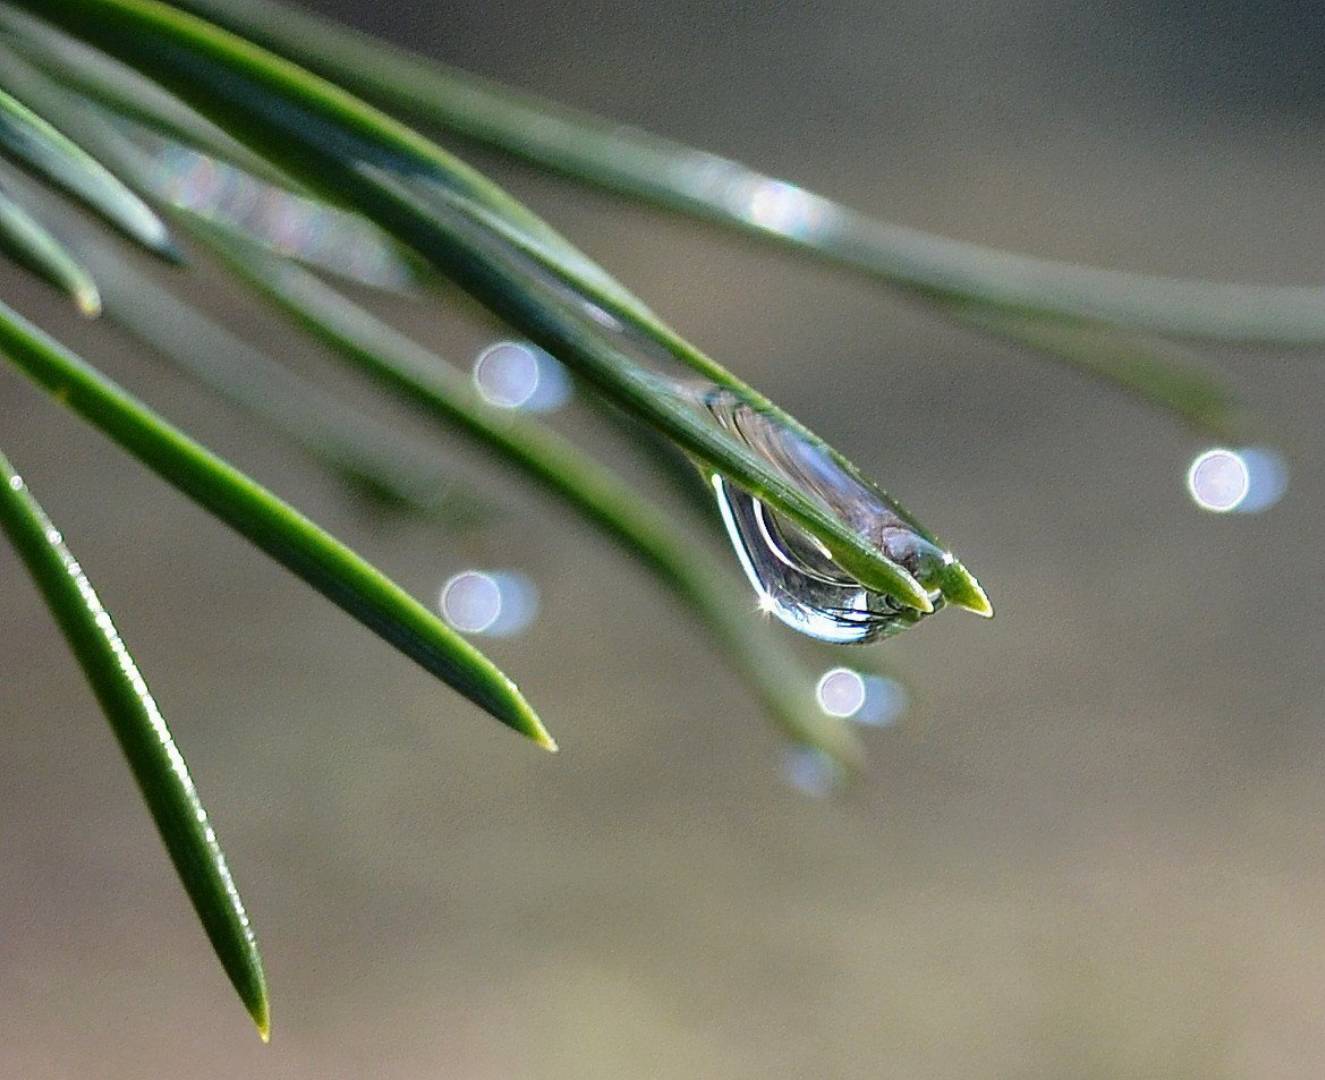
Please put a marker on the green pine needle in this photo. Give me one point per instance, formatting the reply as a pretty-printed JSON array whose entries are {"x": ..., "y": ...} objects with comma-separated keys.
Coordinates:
[
  {"x": 155, "y": 760},
  {"x": 282, "y": 532}
]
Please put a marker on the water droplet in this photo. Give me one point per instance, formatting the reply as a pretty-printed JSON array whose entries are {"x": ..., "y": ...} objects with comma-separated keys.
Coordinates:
[
  {"x": 871, "y": 700},
  {"x": 795, "y": 577},
  {"x": 1218, "y": 480},
  {"x": 780, "y": 207},
  {"x": 516, "y": 375},
  {"x": 498, "y": 604},
  {"x": 812, "y": 772},
  {"x": 1244, "y": 481},
  {"x": 471, "y": 601},
  {"x": 841, "y": 692},
  {"x": 793, "y": 573}
]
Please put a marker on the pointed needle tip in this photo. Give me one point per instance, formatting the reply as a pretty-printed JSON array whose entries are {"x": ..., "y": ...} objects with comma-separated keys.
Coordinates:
[
  {"x": 171, "y": 252},
  {"x": 531, "y": 727},
  {"x": 262, "y": 1018},
  {"x": 89, "y": 304},
  {"x": 962, "y": 590},
  {"x": 913, "y": 595},
  {"x": 910, "y": 592}
]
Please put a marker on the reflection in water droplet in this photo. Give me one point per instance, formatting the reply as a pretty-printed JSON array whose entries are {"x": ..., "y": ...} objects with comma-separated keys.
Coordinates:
[
  {"x": 841, "y": 692},
  {"x": 515, "y": 375},
  {"x": 1218, "y": 480},
  {"x": 792, "y": 572},
  {"x": 811, "y": 771},
  {"x": 498, "y": 604}
]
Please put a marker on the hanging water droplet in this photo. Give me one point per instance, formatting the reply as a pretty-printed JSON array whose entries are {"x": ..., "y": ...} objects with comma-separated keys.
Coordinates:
[{"x": 794, "y": 575}]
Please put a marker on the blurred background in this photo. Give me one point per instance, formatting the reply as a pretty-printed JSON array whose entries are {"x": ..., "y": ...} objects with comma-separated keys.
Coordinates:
[{"x": 1092, "y": 845}]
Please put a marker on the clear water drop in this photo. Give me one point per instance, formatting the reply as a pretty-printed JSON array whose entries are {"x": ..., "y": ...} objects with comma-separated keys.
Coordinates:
[
  {"x": 794, "y": 575},
  {"x": 471, "y": 601},
  {"x": 869, "y": 700},
  {"x": 1218, "y": 480},
  {"x": 517, "y": 375},
  {"x": 1248, "y": 480},
  {"x": 497, "y": 604},
  {"x": 841, "y": 692}
]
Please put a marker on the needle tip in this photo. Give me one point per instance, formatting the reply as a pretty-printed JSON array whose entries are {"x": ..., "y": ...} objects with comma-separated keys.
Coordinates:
[
  {"x": 961, "y": 589},
  {"x": 262, "y": 1018},
  {"x": 88, "y": 302}
]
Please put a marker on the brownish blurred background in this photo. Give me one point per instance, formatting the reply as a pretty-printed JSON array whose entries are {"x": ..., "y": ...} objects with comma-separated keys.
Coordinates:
[{"x": 1092, "y": 847}]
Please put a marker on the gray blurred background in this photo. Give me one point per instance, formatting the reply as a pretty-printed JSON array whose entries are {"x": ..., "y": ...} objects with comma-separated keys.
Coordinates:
[{"x": 1092, "y": 847}]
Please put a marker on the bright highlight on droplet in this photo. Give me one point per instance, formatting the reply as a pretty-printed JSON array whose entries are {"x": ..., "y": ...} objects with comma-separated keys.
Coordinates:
[
  {"x": 780, "y": 207},
  {"x": 841, "y": 692},
  {"x": 498, "y": 604},
  {"x": 515, "y": 375},
  {"x": 1218, "y": 480}
]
